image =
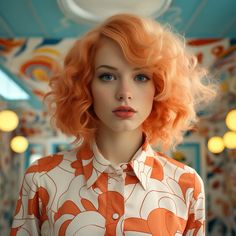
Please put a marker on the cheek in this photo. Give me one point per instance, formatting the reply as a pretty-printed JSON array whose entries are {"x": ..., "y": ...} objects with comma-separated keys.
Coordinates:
[
  {"x": 99, "y": 100},
  {"x": 148, "y": 100},
  {"x": 100, "y": 97},
  {"x": 150, "y": 94},
  {"x": 148, "y": 103},
  {"x": 96, "y": 92}
]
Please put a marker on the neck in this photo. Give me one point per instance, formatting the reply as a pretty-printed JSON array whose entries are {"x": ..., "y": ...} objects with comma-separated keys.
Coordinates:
[{"x": 119, "y": 147}]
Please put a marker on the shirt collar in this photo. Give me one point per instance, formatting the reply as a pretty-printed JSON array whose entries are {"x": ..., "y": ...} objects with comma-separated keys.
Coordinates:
[{"x": 96, "y": 164}]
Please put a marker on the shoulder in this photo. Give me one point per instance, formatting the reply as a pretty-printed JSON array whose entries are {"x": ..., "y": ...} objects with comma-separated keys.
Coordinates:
[
  {"x": 178, "y": 171},
  {"x": 50, "y": 162},
  {"x": 171, "y": 163}
]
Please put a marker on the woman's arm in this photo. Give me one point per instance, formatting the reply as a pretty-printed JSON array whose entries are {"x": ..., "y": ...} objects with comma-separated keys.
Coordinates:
[
  {"x": 27, "y": 214},
  {"x": 196, "y": 218}
]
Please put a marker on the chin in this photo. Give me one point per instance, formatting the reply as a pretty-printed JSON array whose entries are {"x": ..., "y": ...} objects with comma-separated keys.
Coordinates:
[
  {"x": 121, "y": 126},
  {"x": 124, "y": 128}
]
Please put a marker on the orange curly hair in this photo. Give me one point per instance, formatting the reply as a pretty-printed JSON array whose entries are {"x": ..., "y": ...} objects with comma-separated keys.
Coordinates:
[{"x": 180, "y": 82}]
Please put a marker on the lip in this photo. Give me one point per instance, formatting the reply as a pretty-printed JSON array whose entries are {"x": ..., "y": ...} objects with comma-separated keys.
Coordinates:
[
  {"x": 124, "y": 112},
  {"x": 124, "y": 108}
]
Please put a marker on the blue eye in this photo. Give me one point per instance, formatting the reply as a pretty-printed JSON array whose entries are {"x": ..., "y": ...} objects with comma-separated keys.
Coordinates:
[
  {"x": 106, "y": 77},
  {"x": 141, "y": 78}
]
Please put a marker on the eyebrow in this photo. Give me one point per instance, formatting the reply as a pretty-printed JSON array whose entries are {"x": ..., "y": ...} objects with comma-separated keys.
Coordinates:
[
  {"x": 107, "y": 66},
  {"x": 114, "y": 68}
]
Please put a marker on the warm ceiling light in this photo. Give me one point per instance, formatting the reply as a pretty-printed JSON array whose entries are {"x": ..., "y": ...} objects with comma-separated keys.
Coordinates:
[
  {"x": 231, "y": 120},
  {"x": 90, "y": 11},
  {"x": 216, "y": 144},
  {"x": 8, "y": 120},
  {"x": 230, "y": 139},
  {"x": 19, "y": 144}
]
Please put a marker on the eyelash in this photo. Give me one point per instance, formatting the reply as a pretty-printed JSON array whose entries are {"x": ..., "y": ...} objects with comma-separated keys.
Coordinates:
[
  {"x": 101, "y": 77},
  {"x": 144, "y": 76}
]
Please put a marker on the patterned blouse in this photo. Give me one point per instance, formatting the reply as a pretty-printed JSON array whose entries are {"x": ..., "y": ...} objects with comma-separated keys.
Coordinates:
[{"x": 79, "y": 192}]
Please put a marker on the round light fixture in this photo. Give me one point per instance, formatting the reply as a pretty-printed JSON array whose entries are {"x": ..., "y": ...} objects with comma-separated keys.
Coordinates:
[
  {"x": 216, "y": 144},
  {"x": 230, "y": 139},
  {"x": 8, "y": 120},
  {"x": 19, "y": 144},
  {"x": 231, "y": 120},
  {"x": 90, "y": 11}
]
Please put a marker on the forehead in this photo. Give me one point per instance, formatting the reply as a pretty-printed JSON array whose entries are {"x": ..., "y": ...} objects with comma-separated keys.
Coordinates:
[{"x": 109, "y": 52}]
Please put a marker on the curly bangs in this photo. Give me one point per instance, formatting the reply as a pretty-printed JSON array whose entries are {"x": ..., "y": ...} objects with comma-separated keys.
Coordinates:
[{"x": 179, "y": 81}]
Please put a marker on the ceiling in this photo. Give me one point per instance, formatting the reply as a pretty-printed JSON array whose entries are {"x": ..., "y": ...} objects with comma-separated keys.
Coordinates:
[{"x": 195, "y": 18}]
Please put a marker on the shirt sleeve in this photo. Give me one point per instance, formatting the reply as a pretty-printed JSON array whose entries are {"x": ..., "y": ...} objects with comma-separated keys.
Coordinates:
[
  {"x": 27, "y": 214},
  {"x": 196, "y": 218}
]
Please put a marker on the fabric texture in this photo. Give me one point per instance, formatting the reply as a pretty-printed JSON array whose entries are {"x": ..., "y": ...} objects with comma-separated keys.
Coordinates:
[{"x": 79, "y": 192}]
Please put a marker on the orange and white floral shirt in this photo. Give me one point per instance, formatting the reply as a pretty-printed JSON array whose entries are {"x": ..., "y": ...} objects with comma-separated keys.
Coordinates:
[{"x": 80, "y": 193}]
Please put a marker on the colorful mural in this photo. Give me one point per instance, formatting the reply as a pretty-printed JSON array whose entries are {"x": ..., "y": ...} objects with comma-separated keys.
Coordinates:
[{"x": 34, "y": 60}]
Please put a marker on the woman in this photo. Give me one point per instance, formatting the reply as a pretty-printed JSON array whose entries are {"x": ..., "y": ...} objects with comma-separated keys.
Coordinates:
[{"x": 126, "y": 85}]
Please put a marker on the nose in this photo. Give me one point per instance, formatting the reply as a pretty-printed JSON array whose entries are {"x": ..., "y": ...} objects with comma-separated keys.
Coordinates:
[
  {"x": 124, "y": 97},
  {"x": 124, "y": 92}
]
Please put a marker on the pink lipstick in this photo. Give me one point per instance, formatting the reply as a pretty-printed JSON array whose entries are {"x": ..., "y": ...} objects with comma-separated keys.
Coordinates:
[{"x": 124, "y": 112}]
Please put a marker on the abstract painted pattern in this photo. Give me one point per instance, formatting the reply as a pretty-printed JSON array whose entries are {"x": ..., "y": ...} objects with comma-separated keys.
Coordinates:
[{"x": 79, "y": 192}]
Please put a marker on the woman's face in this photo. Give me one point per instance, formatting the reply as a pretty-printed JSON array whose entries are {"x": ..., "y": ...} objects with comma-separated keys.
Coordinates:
[{"x": 122, "y": 94}]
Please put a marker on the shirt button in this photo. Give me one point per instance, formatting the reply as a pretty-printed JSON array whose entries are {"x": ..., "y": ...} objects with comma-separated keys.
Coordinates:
[{"x": 115, "y": 216}]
